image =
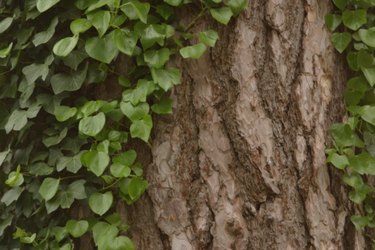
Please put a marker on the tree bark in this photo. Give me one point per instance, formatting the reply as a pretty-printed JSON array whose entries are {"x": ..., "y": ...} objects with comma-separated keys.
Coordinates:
[{"x": 241, "y": 164}]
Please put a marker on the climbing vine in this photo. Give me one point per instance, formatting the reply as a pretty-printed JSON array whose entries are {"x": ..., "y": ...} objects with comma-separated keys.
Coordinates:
[
  {"x": 353, "y": 24},
  {"x": 79, "y": 83}
]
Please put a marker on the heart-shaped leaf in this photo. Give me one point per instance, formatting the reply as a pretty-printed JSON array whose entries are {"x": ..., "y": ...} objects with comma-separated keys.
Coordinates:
[
  {"x": 368, "y": 36},
  {"x": 102, "y": 49},
  {"x": 194, "y": 51},
  {"x": 43, "y": 5},
  {"x": 100, "y": 20},
  {"x": 77, "y": 228},
  {"x": 96, "y": 161},
  {"x": 49, "y": 188},
  {"x": 100, "y": 203},
  {"x": 341, "y": 40},
  {"x": 136, "y": 10},
  {"x": 65, "y": 46},
  {"x": 92, "y": 125}
]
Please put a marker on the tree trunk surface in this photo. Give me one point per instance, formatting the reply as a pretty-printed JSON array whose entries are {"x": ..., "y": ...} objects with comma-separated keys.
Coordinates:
[{"x": 241, "y": 164}]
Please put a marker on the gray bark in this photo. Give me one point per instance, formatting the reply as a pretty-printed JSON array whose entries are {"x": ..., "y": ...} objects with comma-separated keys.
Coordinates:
[{"x": 240, "y": 164}]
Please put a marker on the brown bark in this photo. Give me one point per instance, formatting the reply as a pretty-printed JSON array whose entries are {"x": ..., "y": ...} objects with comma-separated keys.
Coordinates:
[{"x": 240, "y": 164}]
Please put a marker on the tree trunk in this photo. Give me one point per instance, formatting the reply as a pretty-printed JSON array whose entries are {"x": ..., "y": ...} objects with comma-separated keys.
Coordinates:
[{"x": 241, "y": 164}]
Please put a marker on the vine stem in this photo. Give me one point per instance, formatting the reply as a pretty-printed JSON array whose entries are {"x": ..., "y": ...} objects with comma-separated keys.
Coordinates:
[
  {"x": 111, "y": 185},
  {"x": 191, "y": 24}
]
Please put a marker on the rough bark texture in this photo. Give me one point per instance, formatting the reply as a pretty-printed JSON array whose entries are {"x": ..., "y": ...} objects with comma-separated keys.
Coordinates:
[{"x": 241, "y": 163}]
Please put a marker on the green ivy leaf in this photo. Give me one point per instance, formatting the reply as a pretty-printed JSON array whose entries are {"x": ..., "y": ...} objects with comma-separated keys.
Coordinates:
[
  {"x": 166, "y": 78},
  {"x": 65, "y": 199},
  {"x": 126, "y": 41},
  {"x": 354, "y": 19},
  {"x": 157, "y": 58},
  {"x": 74, "y": 59},
  {"x": 333, "y": 21},
  {"x": 96, "y": 161},
  {"x": 121, "y": 243},
  {"x": 152, "y": 34},
  {"x": 165, "y": 11},
  {"x": 364, "y": 59},
  {"x": 90, "y": 107},
  {"x": 367, "y": 36},
  {"x": 135, "y": 112},
  {"x": 341, "y": 41},
  {"x": 140, "y": 93},
  {"x": 40, "y": 169},
  {"x": 127, "y": 158},
  {"x": 72, "y": 164},
  {"x": 341, "y": 4},
  {"x": 44, "y": 36},
  {"x": 100, "y": 20},
  {"x": 360, "y": 221},
  {"x": 5, "y": 24},
  {"x": 16, "y": 121},
  {"x": 63, "y": 113},
  {"x": 5, "y": 223},
  {"x": 120, "y": 171},
  {"x": 11, "y": 196},
  {"x": 65, "y": 46},
  {"x": 368, "y": 114},
  {"x": 43, "y": 5},
  {"x": 137, "y": 187},
  {"x": 15, "y": 178},
  {"x": 3, "y": 156},
  {"x": 164, "y": 106},
  {"x": 136, "y": 10},
  {"x": 141, "y": 128},
  {"x": 357, "y": 196},
  {"x": 92, "y": 125},
  {"x": 66, "y": 246},
  {"x": 49, "y": 188},
  {"x": 6, "y": 51},
  {"x": 194, "y": 51},
  {"x": 174, "y": 2},
  {"x": 222, "y": 15},
  {"x": 339, "y": 161},
  {"x": 208, "y": 37},
  {"x": 102, "y": 49},
  {"x": 342, "y": 134},
  {"x": 363, "y": 163},
  {"x": 77, "y": 228},
  {"x": 80, "y": 25},
  {"x": 77, "y": 189},
  {"x": 68, "y": 82},
  {"x": 94, "y": 4},
  {"x": 237, "y": 5},
  {"x": 369, "y": 74},
  {"x": 103, "y": 233},
  {"x": 59, "y": 233},
  {"x": 354, "y": 180},
  {"x": 55, "y": 139},
  {"x": 100, "y": 203},
  {"x": 34, "y": 71},
  {"x": 356, "y": 88}
]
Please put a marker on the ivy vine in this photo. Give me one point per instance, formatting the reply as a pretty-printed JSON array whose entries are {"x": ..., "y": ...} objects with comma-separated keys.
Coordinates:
[
  {"x": 70, "y": 114},
  {"x": 353, "y": 24}
]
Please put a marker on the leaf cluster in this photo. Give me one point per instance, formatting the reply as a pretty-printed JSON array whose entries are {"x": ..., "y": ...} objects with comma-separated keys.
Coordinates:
[
  {"x": 80, "y": 81},
  {"x": 353, "y": 27}
]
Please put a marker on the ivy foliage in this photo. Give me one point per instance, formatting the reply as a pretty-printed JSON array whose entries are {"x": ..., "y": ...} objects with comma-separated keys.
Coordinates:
[
  {"x": 70, "y": 114},
  {"x": 353, "y": 24}
]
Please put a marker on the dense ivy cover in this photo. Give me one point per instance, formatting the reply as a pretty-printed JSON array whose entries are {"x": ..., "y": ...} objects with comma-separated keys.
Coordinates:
[
  {"x": 65, "y": 149},
  {"x": 353, "y": 24}
]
